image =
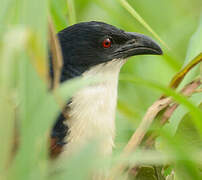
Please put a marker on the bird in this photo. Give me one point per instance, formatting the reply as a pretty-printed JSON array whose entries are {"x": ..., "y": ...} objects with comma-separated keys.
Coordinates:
[{"x": 92, "y": 49}]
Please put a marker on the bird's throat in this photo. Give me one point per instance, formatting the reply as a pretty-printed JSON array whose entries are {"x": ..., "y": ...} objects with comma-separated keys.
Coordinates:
[{"x": 92, "y": 111}]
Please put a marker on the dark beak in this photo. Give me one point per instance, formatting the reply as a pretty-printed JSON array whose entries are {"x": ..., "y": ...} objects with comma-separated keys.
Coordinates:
[{"x": 138, "y": 44}]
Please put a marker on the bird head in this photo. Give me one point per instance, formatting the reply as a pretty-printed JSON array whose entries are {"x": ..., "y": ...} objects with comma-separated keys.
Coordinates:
[{"x": 87, "y": 44}]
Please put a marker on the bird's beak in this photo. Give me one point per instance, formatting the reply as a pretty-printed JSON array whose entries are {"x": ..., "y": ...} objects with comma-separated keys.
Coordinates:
[{"x": 138, "y": 44}]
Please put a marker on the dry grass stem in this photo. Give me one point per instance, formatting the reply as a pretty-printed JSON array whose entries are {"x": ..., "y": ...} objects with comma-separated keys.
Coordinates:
[
  {"x": 141, "y": 131},
  {"x": 147, "y": 120},
  {"x": 188, "y": 90},
  {"x": 56, "y": 54}
]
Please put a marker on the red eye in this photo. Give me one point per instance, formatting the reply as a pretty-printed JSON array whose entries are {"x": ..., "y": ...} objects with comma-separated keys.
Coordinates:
[{"x": 107, "y": 43}]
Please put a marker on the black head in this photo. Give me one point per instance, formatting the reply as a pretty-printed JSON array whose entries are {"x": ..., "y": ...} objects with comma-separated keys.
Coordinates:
[{"x": 90, "y": 43}]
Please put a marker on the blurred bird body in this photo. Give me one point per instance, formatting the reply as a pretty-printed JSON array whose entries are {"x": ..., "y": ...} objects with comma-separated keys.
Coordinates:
[{"x": 94, "y": 49}]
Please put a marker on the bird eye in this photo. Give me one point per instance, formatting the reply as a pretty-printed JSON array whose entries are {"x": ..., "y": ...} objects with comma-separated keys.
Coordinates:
[{"x": 107, "y": 43}]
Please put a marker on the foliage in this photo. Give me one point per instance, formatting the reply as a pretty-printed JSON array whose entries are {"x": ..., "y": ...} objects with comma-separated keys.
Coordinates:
[{"x": 25, "y": 96}]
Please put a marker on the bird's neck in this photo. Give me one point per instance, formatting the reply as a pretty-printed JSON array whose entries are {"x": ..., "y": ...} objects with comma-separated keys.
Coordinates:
[{"x": 92, "y": 111}]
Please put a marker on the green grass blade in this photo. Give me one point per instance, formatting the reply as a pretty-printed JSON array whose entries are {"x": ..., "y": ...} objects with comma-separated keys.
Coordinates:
[
  {"x": 135, "y": 14},
  {"x": 195, "y": 112},
  {"x": 180, "y": 112},
  {"x": 194, "y": 49},
  {"x": 7, "y": 94},
  {"x": 5, "y": 12},
  {"x": 58, "y": 11},
  {"x": 71, "y": 12},
  {"x": 180, "y": 75}
]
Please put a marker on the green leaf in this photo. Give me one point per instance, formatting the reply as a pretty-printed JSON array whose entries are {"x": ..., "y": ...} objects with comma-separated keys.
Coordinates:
[
  {"x": 58, "y": 11},
  {"x": 7, "y": 91},
  {"x": 179, "y": 114},
  {"x": 195, "y": 48},
  {"x": 195, "y": 112},
  {"x": 71, "y": 12}
]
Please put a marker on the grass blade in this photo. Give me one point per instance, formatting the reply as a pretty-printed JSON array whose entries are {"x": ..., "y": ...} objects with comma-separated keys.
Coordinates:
[
  {"x": 71, "y": 12},
  {"x": 135, "y": 14},
  {"x": 179, "y": 76}
]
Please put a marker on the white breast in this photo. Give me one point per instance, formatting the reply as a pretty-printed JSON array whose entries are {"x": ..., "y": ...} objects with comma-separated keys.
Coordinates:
[{"x": 93, "y": 108}]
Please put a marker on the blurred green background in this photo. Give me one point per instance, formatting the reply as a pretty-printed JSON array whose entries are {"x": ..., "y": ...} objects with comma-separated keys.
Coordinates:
[{"x": 24, "y": 95}]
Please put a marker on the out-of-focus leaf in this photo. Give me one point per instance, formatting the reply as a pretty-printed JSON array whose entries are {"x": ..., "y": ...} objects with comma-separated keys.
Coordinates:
[
  {"x": 4, "y": 11},
  {"x": 31, "y": 90},
  {"x": 8, "y": 54},
  {"x": 39, "y": 105},
  {"x": 195, "y": 112},
  {"x": 194, "y": 49},
  {"x": 66, "y": 89},
  {"x": 180, "y": 112},
  {"x": 58, "y": 11},
  {"x": 80, "y": 165},
  {"x": 185, "y": 164},
  {"x": 180, "y": 76},
  {"x": 71, "y": 12},
  {"x": 126, "y": 110},
  {"x": 32, "y": 111}
]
